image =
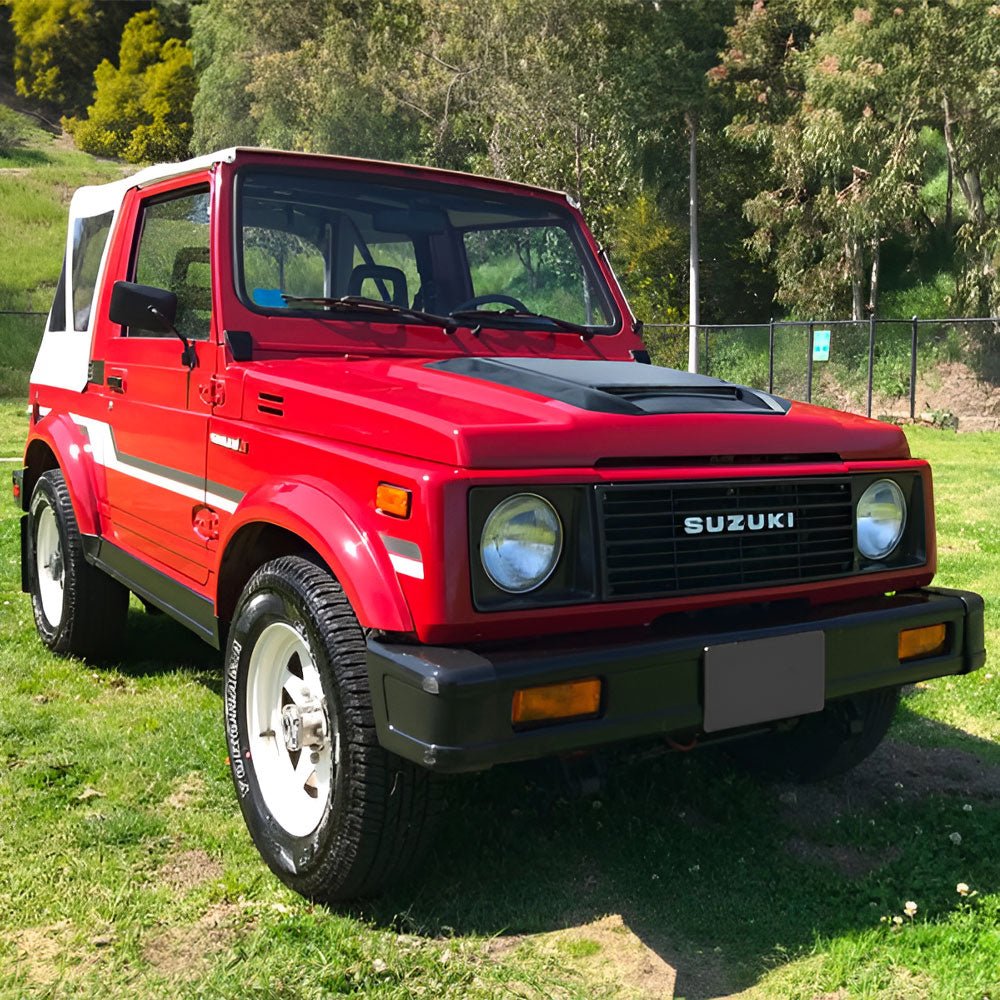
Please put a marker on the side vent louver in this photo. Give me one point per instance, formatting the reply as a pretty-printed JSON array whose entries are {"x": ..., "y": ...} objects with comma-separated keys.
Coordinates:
[{"x": 268, "y": 402}]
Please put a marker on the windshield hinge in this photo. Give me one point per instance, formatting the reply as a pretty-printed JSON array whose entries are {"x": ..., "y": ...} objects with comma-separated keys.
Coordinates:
[{"x": 213, "y": 392}]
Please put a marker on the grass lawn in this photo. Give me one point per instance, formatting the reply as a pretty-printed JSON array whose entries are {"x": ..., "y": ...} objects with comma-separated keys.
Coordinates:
[{"x": 125, "y": 869}]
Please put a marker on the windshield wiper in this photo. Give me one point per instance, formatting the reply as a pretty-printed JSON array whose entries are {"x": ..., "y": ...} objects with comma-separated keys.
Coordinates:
[
  {"x": 359, "y": 303},
  {"x": 520, "y": 315}
]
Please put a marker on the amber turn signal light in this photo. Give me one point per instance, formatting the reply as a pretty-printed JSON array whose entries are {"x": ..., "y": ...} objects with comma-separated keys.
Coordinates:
[
  {"x": 929, "y": 640},
  {"x": 393, "y": 500},
  {"x": 556, "y": 701}
]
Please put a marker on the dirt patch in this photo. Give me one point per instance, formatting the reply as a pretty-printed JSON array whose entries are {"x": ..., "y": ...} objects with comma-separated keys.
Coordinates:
[
  {"x": 187, "y": 791},
  {"x": 949, "y": 389},
  {"x": 954, "y": 388},
  {"x": 850, "y": 862},
  {"x": 895, "y": 772},
  {"x": 46, "y": 955},
  {"x": 613, "y": 960},
  {"x": 188, "y": 870},
  {"x": 183, "y": 952}
]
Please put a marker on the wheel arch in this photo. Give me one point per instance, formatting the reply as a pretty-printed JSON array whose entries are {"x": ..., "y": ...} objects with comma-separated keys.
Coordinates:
[
  {"x": 298, "y": 518},
  {"x": 58, "y": 443}
]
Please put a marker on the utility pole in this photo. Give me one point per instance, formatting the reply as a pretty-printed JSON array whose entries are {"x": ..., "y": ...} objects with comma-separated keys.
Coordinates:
[{"x": 693, "y": 314}]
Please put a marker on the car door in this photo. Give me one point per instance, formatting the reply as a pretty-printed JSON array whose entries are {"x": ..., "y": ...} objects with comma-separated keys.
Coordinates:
[{"x": 157, "y": 418}]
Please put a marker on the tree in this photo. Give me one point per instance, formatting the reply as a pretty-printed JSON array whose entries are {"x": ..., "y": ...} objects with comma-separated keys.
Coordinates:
[
  {"x": 57, "y": 44},
  {"x": 840, "y": 131},
  {"x": 142, "y": 107}
]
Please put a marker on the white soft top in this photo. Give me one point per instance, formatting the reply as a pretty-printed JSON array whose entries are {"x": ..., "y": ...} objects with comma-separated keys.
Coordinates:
[
  {"x": 100, "y": 198},
  {"x": 96, "y": 199}
]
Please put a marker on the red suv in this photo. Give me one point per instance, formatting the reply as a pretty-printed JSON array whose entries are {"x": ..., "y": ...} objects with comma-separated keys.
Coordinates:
[{"x": 389, "y": 437}]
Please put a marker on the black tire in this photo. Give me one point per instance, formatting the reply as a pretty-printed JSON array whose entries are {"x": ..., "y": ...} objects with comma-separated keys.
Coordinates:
[
  {"x": 824, "y": 744},
  {"x": 88, "y": 618},
  {"x": 378, "y": 812}
]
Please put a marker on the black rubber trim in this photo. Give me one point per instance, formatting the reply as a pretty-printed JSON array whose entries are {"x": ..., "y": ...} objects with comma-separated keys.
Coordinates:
[
  {"x": 449, "y": 709},
  {"x": 178, "y": 601},
  {"x": 240, "y": 343},
  {"x": 25, "y": 575}
]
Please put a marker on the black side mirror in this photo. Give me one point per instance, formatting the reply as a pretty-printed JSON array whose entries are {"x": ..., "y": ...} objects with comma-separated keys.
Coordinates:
[
  {"x": 149, "y": 308},
  {"x": 143, "y": 306}
]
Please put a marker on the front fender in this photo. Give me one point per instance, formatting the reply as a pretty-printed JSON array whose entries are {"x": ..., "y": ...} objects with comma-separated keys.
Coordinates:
[
  {"x": 71, "y": 447},
  {"x": 356, "y": 558}
]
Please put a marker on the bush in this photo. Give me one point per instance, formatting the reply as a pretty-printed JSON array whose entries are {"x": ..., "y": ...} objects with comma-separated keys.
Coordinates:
[
  {"x": 13, "y": 130},
  {"x": 142, "y": 107}
]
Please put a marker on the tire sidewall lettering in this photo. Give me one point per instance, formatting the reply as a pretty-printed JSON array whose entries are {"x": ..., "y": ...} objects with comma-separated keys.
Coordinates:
[{"x": 271, "y": 603}]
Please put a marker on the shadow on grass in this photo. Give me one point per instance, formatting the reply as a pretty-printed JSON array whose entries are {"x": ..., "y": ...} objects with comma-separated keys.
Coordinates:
[
  {"x": 156, "y": 644},
  {"x": 24, "y": 157},
  {"x": 722, "y": 875}
]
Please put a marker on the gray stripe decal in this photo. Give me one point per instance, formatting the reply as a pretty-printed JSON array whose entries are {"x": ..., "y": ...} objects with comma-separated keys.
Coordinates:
[
  {"x": 400, "y": 547},
  {"x": 178, "y": 476},
  {"x": 187, "y": 478},
  {"x": 226, "y": 492}
]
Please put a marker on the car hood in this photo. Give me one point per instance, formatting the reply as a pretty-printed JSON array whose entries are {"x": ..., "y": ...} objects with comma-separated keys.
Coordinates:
[{"x": 482, "y": 413}]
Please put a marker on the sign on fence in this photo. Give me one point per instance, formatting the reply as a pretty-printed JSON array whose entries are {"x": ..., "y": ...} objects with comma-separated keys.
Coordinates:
[{"x": 821, "y": 345}]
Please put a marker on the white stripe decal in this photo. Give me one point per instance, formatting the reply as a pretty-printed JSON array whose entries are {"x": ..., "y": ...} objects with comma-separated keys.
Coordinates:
[
  {"x": 407, "y": 567},
  {"x": 102, "y": 446}
]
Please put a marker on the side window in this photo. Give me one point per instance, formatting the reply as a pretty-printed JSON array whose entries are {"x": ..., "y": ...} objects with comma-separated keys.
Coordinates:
[
  {"x": 173, "y": 254},
  {"x": 90, "y": 236},
  {"x": 57, "y": 315}
]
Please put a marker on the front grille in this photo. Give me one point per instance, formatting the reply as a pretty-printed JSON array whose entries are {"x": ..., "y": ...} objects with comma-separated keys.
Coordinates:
[{"x": 646, "y": 552}]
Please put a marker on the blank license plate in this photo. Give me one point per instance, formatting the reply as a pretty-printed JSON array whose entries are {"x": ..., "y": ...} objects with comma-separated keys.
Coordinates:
[{"x": 764, "y": 679}]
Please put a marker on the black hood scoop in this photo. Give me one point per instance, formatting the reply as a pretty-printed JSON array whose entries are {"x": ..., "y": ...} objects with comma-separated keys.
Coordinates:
[{"x": 617, "y": 386}]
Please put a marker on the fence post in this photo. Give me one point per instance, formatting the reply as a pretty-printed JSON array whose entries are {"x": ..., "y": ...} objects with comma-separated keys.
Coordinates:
[
  {"x": 871, "y": 359},
  {"x": 809, "y": 364},
  {"x": 913, "y": 368},
  {"x": 770, "y": 355}
]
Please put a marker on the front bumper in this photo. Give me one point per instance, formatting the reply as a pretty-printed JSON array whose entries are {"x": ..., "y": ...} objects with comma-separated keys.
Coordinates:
[{"x": 450, "y": 709}]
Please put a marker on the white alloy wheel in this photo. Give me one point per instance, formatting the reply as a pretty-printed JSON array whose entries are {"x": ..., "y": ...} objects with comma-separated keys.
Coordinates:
[
  {"x": 49, "y": 565},
  {"x": 293, "y": 735}
]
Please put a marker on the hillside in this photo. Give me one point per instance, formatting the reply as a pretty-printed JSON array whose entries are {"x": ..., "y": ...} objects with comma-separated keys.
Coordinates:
[{"x": 36, "y": 183}]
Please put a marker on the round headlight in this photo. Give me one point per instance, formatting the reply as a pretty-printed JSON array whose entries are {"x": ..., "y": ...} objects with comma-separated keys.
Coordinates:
[
  {"x": 521, "y": 543},
  {"x": 881, "y": 519}
]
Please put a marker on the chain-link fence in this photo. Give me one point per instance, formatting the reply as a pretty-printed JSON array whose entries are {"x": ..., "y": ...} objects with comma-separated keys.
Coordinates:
[{"x": 842, "y": 363}]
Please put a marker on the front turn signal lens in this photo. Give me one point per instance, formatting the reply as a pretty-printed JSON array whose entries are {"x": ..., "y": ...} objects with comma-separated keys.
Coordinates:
[
  {"x": 552, "y": 702},
  {"x": 393, "y": 500},
  {"x": 915, "y": 643}
]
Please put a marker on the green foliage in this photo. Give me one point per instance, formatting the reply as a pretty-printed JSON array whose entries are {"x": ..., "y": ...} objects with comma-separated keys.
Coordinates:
[
  {"x": 649, "y": 253},
  {"x": 14, "y": 130},
  {"x": 142, "y": 107},
  {"x": 57, "y": 44}
]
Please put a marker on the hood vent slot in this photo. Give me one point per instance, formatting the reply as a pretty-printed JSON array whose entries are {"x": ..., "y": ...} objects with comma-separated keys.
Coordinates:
[{"x": 269, "y": 402}]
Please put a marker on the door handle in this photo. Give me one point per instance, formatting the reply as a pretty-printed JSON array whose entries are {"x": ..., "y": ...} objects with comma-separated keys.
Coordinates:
[{"x": 116, "y": 382}]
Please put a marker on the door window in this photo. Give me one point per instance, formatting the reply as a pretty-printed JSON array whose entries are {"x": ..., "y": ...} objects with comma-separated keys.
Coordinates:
[{"x": 173, "y": 254}]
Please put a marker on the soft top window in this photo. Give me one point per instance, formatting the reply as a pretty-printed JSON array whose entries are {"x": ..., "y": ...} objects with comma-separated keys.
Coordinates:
[{"x": 90, "y": 237}]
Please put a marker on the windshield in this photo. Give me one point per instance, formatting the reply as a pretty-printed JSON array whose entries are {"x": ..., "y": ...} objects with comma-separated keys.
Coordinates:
[{"x": 487, "y": 258}]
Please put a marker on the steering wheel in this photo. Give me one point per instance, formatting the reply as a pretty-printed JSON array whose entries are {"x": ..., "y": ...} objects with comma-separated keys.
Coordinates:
[{"x": 479, "y": 300}]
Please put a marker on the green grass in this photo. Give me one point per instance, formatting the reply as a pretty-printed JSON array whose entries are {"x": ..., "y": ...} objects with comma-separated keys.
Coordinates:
[
  {"x": 13, "y": 427},
  {"x": 125, "y": 869},
  {"x": 36, "y": 184}
]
